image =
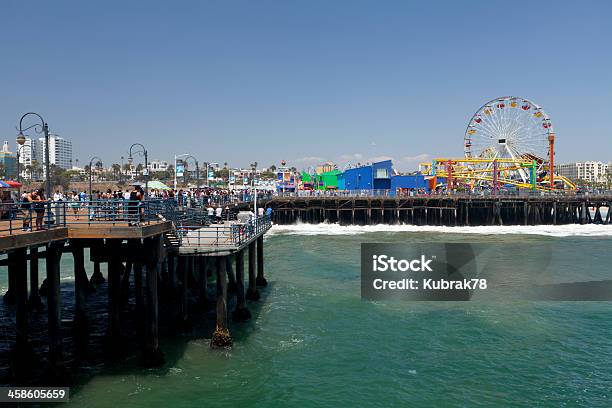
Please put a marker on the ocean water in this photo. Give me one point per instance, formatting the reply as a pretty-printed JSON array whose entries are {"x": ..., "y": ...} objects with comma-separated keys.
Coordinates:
[{"x": 313, "y": 342}]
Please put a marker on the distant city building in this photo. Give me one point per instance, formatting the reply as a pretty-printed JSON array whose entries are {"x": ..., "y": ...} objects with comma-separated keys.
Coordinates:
[
  {"x": 325, "y": 167},
  {"x": 158, "y": 165},
  {"x": 30, "y": 159},
  {"x": 591, "y": 171},
  {"x": 8, "y": 163},
  {"x": 60, "y": 152},
  {"x": 32, "y": 156}
]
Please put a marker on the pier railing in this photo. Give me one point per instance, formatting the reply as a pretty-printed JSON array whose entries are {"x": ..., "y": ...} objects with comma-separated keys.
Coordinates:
[
  {"x": 221, "y": 236},
  {"x": 20, "y": 217}
]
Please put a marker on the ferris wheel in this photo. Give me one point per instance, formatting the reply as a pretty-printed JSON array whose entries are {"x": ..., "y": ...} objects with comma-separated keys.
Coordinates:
[{"x": 509, "y": 127}]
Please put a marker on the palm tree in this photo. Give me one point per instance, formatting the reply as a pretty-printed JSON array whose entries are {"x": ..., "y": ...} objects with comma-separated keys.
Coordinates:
[
  {"x": 139, "y": 169},
  {"x": 35, "y": 169},
  {"x": 116, "y": 169}
]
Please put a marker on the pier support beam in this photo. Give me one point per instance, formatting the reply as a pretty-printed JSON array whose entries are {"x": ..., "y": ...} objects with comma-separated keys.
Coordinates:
[
  {"x": 21, "y": 354},
  {"x": 81, "y": 284},
  {"x": 221, "y": 337},
  {"x": 261, "y": 280},
  {"x": 152, "y": 355},
  {"x": 252, "y": 291},
  {"x": 203, "y": 280},
  {"x": 138, "y": 293},
  {"x": 97, "y": 278},
  {"x": 34, "y": 301},
  {"x": 183, "y": 272},
  {"x": 231, "y": 284},
  {"x": 114, "y": 293},
  {"x": 241, "y": 313},
  {"x": 55, "y": 358},
  {"x": 9, "y": 296},
  {"x": 171, "y": 271}
]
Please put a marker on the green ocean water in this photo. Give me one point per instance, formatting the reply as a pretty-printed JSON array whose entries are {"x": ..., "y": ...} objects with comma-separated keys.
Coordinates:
[{"x": 313, "y": 342}]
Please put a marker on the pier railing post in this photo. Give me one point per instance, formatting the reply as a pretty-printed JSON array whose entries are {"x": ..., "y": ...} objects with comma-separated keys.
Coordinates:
[
  {"x": 241, "y": 313},
  {"x": 252, "y": 291},
  {"x": 221, "y": 337},
  {"x": 261, "y": 280}
]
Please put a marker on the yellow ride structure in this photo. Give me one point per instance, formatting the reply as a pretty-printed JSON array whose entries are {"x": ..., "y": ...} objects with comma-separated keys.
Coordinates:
[{"x": 495, "y": 173}]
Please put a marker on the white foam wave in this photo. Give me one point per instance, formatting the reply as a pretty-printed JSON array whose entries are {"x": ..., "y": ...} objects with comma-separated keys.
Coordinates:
[{"x": 589, "y": 230}]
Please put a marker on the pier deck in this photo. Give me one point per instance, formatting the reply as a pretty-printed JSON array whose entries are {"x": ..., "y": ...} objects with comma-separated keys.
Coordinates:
[{"x": 443, "y": 210}]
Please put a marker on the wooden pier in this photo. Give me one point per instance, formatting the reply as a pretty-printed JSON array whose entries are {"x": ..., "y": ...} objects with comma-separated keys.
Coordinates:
[
  {"x": 442, "y": 210},
  {"x": 161, "y": 251}
]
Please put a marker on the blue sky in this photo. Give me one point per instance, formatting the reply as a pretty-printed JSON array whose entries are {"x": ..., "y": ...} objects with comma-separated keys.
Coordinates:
[{"x": 303, "y": 81}]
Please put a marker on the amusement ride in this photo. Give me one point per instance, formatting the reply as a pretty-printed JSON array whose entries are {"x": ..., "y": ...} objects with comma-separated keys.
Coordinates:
[{"x": 509, "y": 143}]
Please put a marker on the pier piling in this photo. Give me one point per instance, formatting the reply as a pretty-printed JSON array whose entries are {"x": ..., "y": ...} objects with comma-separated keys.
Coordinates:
[
  {"x": 252, "y": 291},
  {"x": 34, "y": 302},
  {"x": 221, "y": 337},
  {"x": 152, "y": 355},
  {"x": 55, "y": 356},
  {"x": 261, "y": 280},
  {"x": 241, "y": 313}
]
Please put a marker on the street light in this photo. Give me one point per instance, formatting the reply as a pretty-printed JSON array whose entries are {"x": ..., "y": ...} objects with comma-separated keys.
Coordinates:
[
  {"x": 187, "y": 157},
  {"x": 175, "y": 163},
  {"x": 142, "y": 152},
  {"x": 90, "y": 171},
  {"x": 254, "y": 169},
  {"x": 41, "y": 127}
]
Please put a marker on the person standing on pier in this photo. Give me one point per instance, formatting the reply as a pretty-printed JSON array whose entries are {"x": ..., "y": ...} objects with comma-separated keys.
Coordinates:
[
  {"x": 26, "y": 209},
  {"x": 38, "y": 200}
]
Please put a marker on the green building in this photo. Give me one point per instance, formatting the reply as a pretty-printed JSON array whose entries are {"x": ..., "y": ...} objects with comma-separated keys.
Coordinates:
[{"x": 327, "y": 180}]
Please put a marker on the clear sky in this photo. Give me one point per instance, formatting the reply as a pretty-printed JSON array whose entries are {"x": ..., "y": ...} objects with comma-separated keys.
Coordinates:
[{"x": 303, "y": 81}]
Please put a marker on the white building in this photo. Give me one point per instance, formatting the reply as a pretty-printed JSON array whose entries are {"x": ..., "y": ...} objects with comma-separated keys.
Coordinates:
[
  {"x": 158, "y": 165},
  {"x": 60, "y": 151},
  {"x": 29, "y": 153},
  {"x": 33, "y": 150},
  {"x": 591, "y": 171}
]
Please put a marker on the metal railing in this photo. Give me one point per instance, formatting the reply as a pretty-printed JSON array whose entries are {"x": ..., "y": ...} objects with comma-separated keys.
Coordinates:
[
  {"x": 222, "y": 236},
  {"x": 19, "y": 217}
]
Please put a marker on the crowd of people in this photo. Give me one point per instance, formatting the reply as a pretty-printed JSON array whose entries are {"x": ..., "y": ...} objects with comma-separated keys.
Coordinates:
[{"x": 32, "y": 206}]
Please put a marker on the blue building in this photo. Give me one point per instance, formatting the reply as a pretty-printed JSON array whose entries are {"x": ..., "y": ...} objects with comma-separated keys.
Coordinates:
[
  {"x": 8, "y": 164},
  {"x": 376, "y": 176},
  {"x": 408, "y": 183}
]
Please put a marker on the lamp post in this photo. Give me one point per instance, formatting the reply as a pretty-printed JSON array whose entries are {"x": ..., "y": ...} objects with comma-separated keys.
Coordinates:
[
  {"x": 175, "y": 162},
  {"x": 187, "y": 157},
  {"x": 121, "y": 171},
  {"x": 90, "y": 172},
  {"x": 254, "y": 170},
  {"x": 41, "y": 127},
  {"x": 144, "y": 153}
]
